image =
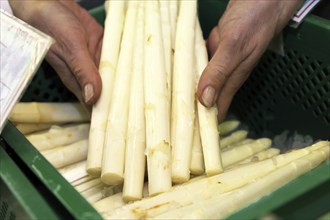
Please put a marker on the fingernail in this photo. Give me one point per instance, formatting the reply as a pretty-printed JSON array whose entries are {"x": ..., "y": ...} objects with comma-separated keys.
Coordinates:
[
  {"x": 208, "y": 96},
  {"x": 88, "y": 92}
]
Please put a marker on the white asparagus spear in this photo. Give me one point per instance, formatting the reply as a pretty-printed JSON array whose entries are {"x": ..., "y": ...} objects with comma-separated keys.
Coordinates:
[
  {"x": 88, "y": 185},
  {"x": 100, "y": 191},
  {"x": 82, "y": 180},
  {"x": 228, "y": 126},
  {"x": 233, "y": 138},
  {"x": 29, "y": 128},
  {"x": 106, "y": 7},
  {"x": 66, "y": 155},
  {"x": 318, "y": 145},
  {"x": 173, "y": 20},
  {"x": 244, "y": 151},
  {"x": 173, "y": 10},
  {"x": 167, "y": 38},
  {"x": 183, "y": 96},
  {"x": 239, "y": 143},
  {"x": 109, "y": 203},
  {"x": 262, "y": 167},
  {"x": 48, "y": 112},
  {"x": 156, "y": 104},
  {"x": 135, "y": 158},
  {"x": 265, "y": 154},
  {"x": 216, "y": 208},
  {"x": 74, "y": 171},
  {"x": 58, "y": 136},
  {"x": 115, "y": 141},
  {"x": 96, "y": 192},
  {"x": 197, "y": 159},
  {"x": 207, "y": 117},
  {"x": 204, "y": 188},
  {"x": 113, "y": 202},
  {"x": 262, "y": 155},
  {"x": 113, "y": 27},
  {"x": 94, "y": 197}
]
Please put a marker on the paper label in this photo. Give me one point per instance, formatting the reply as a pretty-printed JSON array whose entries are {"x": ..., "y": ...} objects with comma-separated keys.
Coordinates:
[
  {"x": 303, "y": 12},
  {"x": 22, "y": 50}
]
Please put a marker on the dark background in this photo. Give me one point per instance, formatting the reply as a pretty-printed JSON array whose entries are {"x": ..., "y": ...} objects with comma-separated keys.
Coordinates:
[
  {"x": 322, "y": 9},
  {"x": 89, "y": 4}
]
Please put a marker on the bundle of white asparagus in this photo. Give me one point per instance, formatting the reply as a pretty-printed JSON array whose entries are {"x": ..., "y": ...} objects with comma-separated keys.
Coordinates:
[
  {"x": 148, "y": 121},
  {"x": 148, "y": 131},
  {"x": 252, "y": 169}
]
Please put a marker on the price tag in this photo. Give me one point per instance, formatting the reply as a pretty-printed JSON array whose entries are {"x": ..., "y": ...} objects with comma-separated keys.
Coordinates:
[
  {"x": 303, "y": 12},
  {"x": 23, "y": 48}
]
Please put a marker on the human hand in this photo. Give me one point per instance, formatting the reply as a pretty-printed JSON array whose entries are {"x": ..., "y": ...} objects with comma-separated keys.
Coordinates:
[
  {"x": 236, "y": 44},
  {"x": 76, "y": 53}
]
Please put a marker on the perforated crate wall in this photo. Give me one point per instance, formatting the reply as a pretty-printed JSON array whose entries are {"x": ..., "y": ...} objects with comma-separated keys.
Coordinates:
[
  {"x": 5, "y": 213},
  {"x": 46, "y": 86},
  {"x": 290, "y": 92}
]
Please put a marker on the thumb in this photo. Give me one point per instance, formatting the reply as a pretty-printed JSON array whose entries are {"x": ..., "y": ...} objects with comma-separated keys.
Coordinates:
[{"x": 224, "y": 61}]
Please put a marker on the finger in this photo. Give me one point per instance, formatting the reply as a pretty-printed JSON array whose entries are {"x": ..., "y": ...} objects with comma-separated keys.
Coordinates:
[
  {"x": 228, "y": 92},
  {"x": 85, "y": 71},
  {"x": 213, "y": 41},
  {"x": 223, "y": 104},
  {"x": 97, "y": 56},
  {"x": 67, "y": 78},
  {"x": 73, "y": 49},
  {"x": 226, "y": 59},
  {"x": 234, "y": 83},
  {"x": 95, "y": 34},
  {"x": 65, "y": 74},
  {"x": 75, "y": 53},
  {"x": 93, "y": 29}
]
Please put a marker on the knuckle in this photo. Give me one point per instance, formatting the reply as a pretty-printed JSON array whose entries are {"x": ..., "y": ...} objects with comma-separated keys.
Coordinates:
[
  {"x": 77, "y": 70},
  {"x": 234, "y": 38},
  {"x": 216, "y": 73},
  {"x": 221, "y": 72}
]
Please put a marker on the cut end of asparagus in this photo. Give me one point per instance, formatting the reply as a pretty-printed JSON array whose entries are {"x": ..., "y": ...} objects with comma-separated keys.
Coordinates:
[
  {"x": 177, "y": 179},
  {"x": 131, "y": 198},
  {"x": 196, "y": 171},
  {"x": 112, "y": 179},
  {"x": 228, "y": 126},
  {"x": 264, "y": 141},
  {"x": 152, "y": 194},
  {"x": 95, "y": 171},
  {"x": 212, "y": 172}
]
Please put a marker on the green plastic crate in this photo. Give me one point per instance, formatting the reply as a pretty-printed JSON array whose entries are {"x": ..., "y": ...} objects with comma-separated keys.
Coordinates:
[
  {"x": 298, "y": 82},
  {"x": 14, "y": 197}
]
